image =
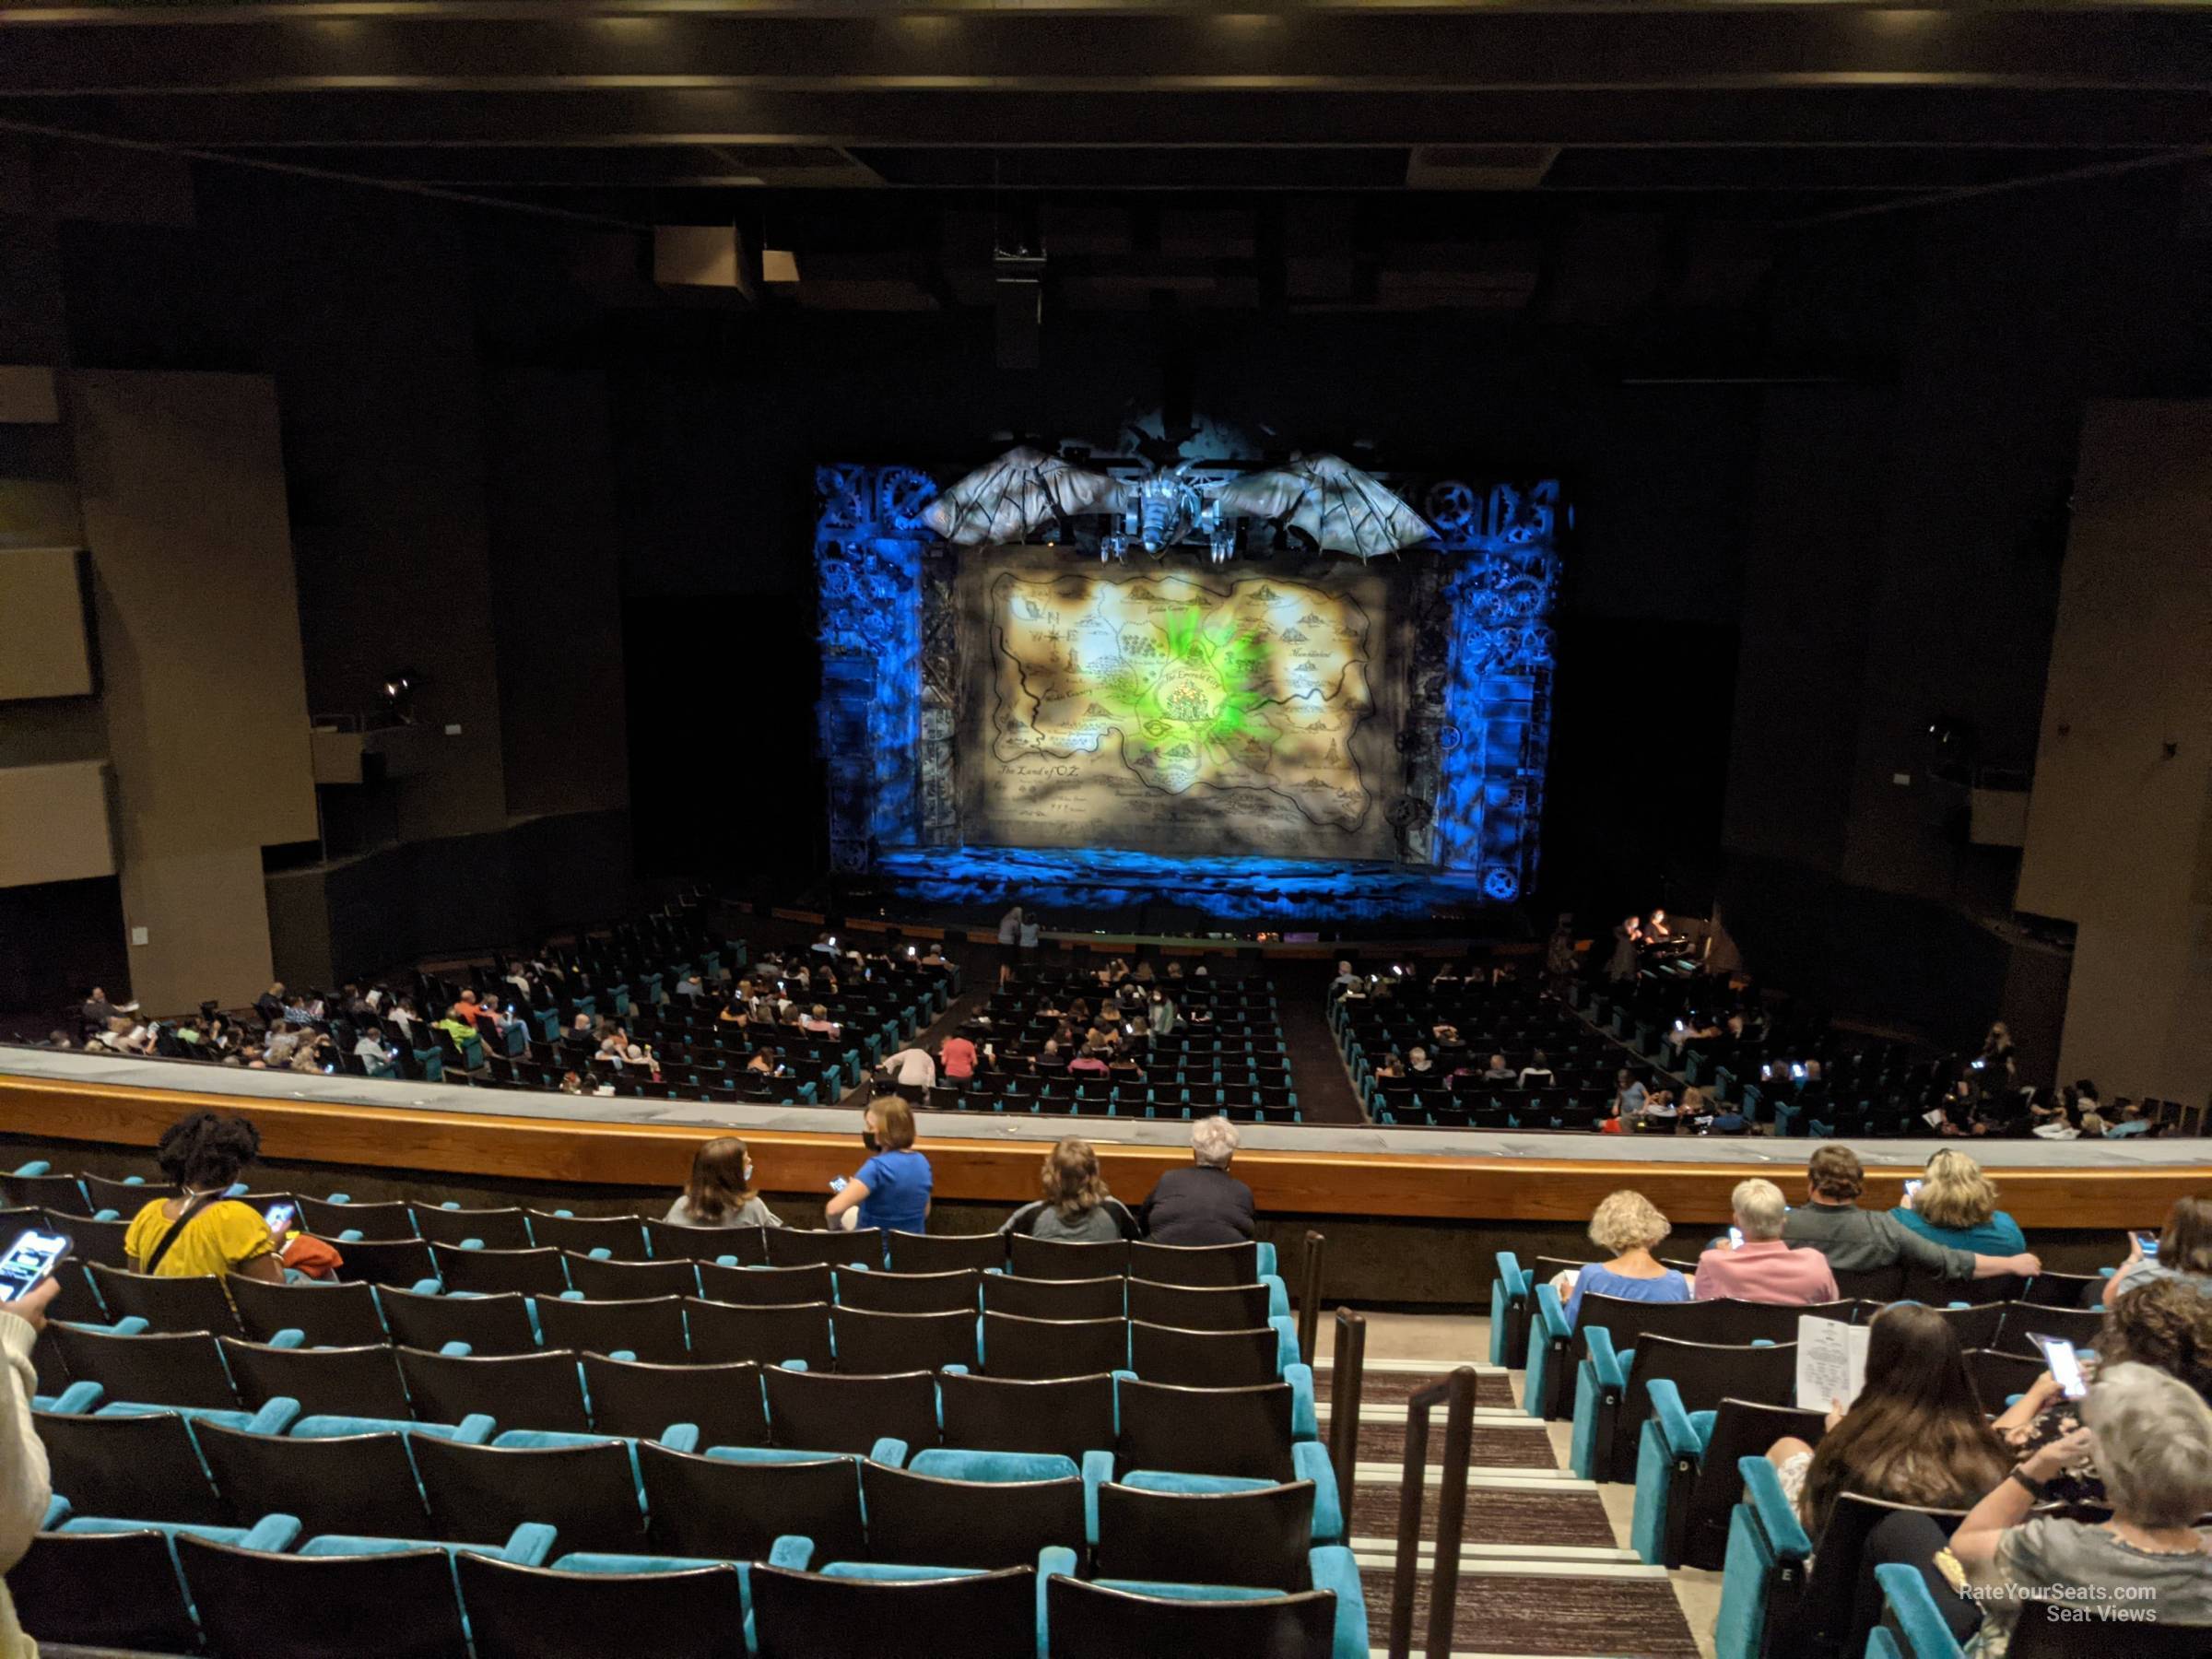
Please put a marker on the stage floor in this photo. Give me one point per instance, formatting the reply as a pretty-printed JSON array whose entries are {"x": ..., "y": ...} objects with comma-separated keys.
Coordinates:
[{"x": 1241, "y": 888}]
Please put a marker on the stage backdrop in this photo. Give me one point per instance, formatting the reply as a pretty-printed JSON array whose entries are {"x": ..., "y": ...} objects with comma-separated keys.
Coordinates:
[
  {"x": 1177, "y": 708},
  {"x": 1314, "y": 710}
]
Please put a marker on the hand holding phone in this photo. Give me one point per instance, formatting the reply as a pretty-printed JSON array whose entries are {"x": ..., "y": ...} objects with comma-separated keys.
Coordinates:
[
  {"x": 31, "y": 1259},
  {"x": 1736, "y": 1238},
  {"x": 279, "y": 1217},
  {"x": 838, "y": 1184},
  {"x": 2147, "y": 1245},
  {"x": 2064, "y": 1363},
  {"x": 1911, "y": 1187}
]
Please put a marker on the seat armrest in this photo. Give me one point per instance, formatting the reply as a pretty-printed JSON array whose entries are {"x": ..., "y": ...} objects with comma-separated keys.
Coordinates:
[
  {"x": 1609, "y": 1368},
  {"x": 1333, "y": 1569},
  {"x": 288, "y": 1337},
  {"x": 77, "y": 1399},
  {"x": 1777, "y": 1515},
  {"x": 1908, "y": 1596},
  {"x": 427, "y": 1287},
  {"x": 1305, "y": 1422},
  {"x": 680, "y": 1436},
  {"x": 1053, "y": 1559},
  {"x": 475, "y": 1429},
  {"x": 1097, "y": 1471},
  {"x": 529, "y": 1545},
  {"x": 793, "y": 1553},
  {"x": 274, "y": 1416},
  {"x": 1285, "y": 1342},
  {"x": 1310, "y": 1461},
  {"x": 274, "y": 1534},
  {"x": 57, "y": 1512},
  {"x": 1278, "y": 1296},
  {"x": 1266, "y": 1262},
  {"x": 1680, "y": 1431},
  {"x": 889, "y": 1449},
  {"x": 1551, "y": 1315}
]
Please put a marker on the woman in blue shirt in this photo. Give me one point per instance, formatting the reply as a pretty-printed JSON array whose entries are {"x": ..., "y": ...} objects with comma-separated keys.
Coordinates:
[
  {"x": 891, "y": 1190},
  {"x": 1956, "y": 1206},
  {"x": 1629, "y": 1224}
]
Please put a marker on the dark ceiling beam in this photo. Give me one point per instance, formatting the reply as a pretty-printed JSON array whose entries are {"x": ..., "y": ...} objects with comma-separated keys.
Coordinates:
[
  {"x": 1459, "y": 51},
  {"x": 1858, "y": 115}
]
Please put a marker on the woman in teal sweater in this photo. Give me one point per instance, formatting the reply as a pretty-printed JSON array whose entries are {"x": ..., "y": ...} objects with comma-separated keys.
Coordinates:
[{"x": 1957, "y": 1206}]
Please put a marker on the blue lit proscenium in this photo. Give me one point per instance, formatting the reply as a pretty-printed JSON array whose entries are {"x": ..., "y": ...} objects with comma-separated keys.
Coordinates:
[{"x": 1467, "y": 807}]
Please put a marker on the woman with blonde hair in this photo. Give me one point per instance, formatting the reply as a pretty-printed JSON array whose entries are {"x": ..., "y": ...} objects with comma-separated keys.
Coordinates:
[
  {"x": 1076, "y": 1208},
  {"x": 1630, "y": 1226},
  {"x": 719, "y": 1192},
  {"x": 1956, "y": 1206}
]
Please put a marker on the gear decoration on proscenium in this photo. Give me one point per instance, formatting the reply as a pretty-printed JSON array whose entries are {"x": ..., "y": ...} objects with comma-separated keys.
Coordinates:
[
  {"x": 1450, "y": 505},
  {"x": 844, "y": 494},
  {"x": 903, "y": 495},
  {"x": 1501, "y": 884}
]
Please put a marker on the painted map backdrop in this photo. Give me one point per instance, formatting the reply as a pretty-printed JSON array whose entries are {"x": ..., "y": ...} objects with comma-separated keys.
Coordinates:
[{"x": 1180, "y": 711}]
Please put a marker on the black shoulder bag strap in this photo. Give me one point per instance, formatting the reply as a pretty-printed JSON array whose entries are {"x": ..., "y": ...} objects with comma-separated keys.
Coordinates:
[{"x": 178, "y": 1225}]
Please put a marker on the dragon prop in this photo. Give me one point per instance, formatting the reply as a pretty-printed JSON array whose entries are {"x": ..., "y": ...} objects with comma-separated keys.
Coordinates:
[{"x": 1318, "y": 500}]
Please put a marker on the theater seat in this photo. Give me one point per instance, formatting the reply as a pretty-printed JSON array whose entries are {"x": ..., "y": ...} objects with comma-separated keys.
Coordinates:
[
  {"x": 399, "y": 1605},
  {"x": 116, "y": 1583},
  {"x": 865, "y": 1611},
  {"x": 547, "y": 1613},
  {"x": 1111, "y": 1619}
]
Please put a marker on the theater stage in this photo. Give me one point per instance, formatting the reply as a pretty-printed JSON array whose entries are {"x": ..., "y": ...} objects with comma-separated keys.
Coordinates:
[
  {"x": 1240, "y": 889},
  {"x": 1295, "y": 1170}
]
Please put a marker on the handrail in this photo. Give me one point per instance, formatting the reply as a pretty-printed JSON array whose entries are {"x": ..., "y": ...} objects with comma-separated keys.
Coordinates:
[
  {"x": 1456, "y": 1393},
  {"x": 1348, "y": 1383},
  {"x": 1308, "y": 1293}
]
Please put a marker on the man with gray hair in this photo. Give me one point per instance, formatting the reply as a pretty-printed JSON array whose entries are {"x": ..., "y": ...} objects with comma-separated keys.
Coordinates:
[
  {"x": 1204, "y": 1204},
  {"x": 1762, "y": 1268}
]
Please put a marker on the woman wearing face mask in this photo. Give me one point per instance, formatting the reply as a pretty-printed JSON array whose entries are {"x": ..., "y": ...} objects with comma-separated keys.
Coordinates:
[
  {"x": 891, "y": 1190},
  {"x": 721, "y": 1190}
]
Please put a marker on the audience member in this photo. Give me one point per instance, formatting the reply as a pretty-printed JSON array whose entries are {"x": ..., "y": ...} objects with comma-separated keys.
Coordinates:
[
  {"x": 200, "y": 1230},
  {"x": 1956, "y": 1206},
  {"x": 1857, "y": 1240},
  {"x": 1498, "y": 1071},
  {"x": 2166, "y": 1325},
  {"x": 25, "y": 1486},
  {"x": 911, "y": 1072},
  {"x": 99, "y": 1013},
  {"x": 891, "y": 1190},
  {"x": 719, "y": 1192},
  {"x": 956, "y": 1057},
  {"x": 1628, "y": 1094},
  {"x": 2184, "y": 1251},
  {"x": 1628, "y": 1225},
  {"x": 1538, "y": 1072},
  {"x": 1914, "y": 1435},
  {"x": 1763, "y": 1268},
  {"x": 1076, "y": 1208},
  {"x": 2152, "y": 1436},
  {"x": 1204, "y": 1204}
]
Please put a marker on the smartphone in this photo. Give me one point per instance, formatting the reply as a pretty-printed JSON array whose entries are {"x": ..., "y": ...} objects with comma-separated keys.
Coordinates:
[
  {"x": 838, "y": 1184},
  {"x": 2064, "y": 1363},
  {"x": 1976, "y": 1064},
  {"x": 30, "y": 1258},
  {"x": 1680, "y": 1027},
  {"x": 277, "y": 1218},
  {"x": 1736, "y": 1238},
  {"x": 1911, "y": 1187},
  {"x": 1766, "y": 1073},
  {"x": 1797, "y": 1070},
  {"x": 2147, "y": 1243}
]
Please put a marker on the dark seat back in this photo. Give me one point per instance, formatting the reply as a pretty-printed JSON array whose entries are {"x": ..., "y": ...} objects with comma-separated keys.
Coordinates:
[
  {"x": 1740, "y": 1428},
  {"x": 536, "y": 1612},
  {"x": 1998, "y": 1376},
  {"x": 1704, "y": 1375},
  {"x": 324, "y": 1604},
  {"x": 361, "y": 1484},
  {"x": 957, "y": 1291},
  {"x": 399, "y": 1262},
  {"x": 506, "y": 1228},
  {"x": 770, "y": 1334},
  {"x": 798, "y": 1247},
  {"x": 1625, "y": 1322},
  {"x": 481, "y": 1494},
  {"x": 1105, "y": 1623},
  {"x": 182, "y": 1302},
  {"x": 102, "y": 1241},
  {"x": 1050, "y": 1259},
  {"x": 489, "y": 1325},
  {"x": 1977, "y": 1326},
  {"x": 374, "y": 1220},
  {"x": 734, "y": 1511},
  {"x": 1199, "y": 1265},
  {"x": 519, "y": 1391},
  {"x": 629, "y": 1281},
  {"x": 1203, "y": 1358},
  {"x": 1242, "y": 1432},
  {"x": 653, "y": 1328},
  {"x": 58, "y": 1194},
  {"x": 2025, "y": 1321},
  {"x": 1215, "y": 1308},
  {"x": 817, "y": 1411},
  {"x": 329, "y": 1315},
  {"x": 1841, "y": 1600},
  {"x": 946, "y": 1253},
  {"x": 132, "y": 1467},
  {"x": 2069, "y": 1629},
  {"x": 642, "y": 1400},
  {"x": 767, "y": 1286},
  {"x": 671, "y": 1241},
  {"x": 806, "y": 1616},
  {"x": 1740, "y": 1324},
  {"x": 1056, "y": 1298},
  {"x": 172, "y": 1368},
  {"x": 489, "y": 1272},
  {"x": 1068, "y": 1416},
  {"x": 352, "y": 1382},
  {"x": 926, "y": 1520},
  {"x": 1038, "y": 1349},
  {"x": 1870, "y": 1284},
  {"x": 876, "y": 1344},
  {"x": 2064, "y": 1289},
  {"x": 103, "y": 1590},
  {"x": 1258, "y": 1538},
  {"x": 622, "y": 1237}
]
